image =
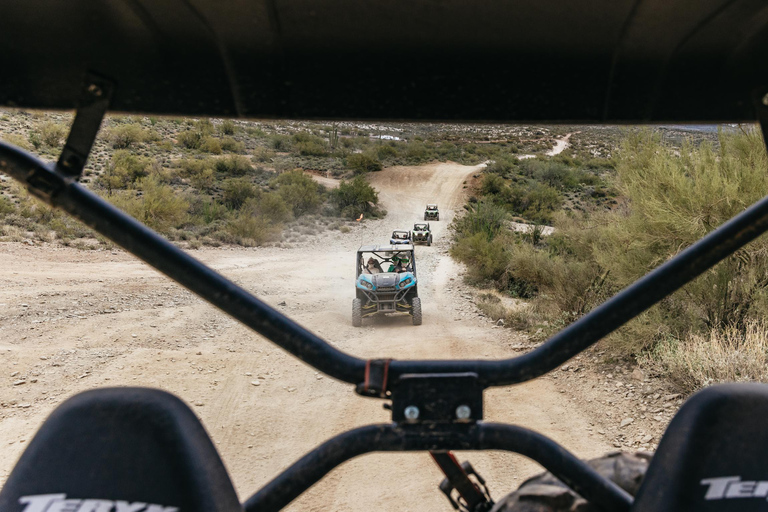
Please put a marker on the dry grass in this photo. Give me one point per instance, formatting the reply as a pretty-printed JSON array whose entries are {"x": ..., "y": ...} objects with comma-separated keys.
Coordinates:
[
  {"x": 516, "y": 318},
  {"x": 725, "y": 355}
]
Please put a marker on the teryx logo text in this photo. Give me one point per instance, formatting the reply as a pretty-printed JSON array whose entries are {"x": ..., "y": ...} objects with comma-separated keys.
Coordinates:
[
  {"x": 60, "y": 503},
  {"x": 731, "y": 487}
]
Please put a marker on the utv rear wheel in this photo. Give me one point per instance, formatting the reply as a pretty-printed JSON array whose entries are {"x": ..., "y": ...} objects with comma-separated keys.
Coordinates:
[
  {"x": 357, "y": 313},
  {"x": 416, "y": 310}
]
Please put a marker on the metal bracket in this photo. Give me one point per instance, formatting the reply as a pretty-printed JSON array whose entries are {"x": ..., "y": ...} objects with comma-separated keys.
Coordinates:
[
  {"x": 94, "y": 101},
  {"x": 437, "y": 398},
  {"x": 376, "y": 379},
  {"x": 471, "y": 492}
]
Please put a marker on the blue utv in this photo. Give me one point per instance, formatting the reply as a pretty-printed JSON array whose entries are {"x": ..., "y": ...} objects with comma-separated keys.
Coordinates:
[{"x": 385, "y": 282}]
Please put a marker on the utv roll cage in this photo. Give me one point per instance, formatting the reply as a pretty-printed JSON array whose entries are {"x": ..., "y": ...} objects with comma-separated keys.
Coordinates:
[
  {"x": 385, "y": 253},
  {"x": 630, "y": 61}
]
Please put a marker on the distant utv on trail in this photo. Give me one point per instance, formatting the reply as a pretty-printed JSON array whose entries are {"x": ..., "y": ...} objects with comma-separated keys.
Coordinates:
[
  {"x": 400, "y": 236},
  {"x": 385, "y": 282},
  {"x": 421, "y": 234},
  {"x": 431, "y": 212}
]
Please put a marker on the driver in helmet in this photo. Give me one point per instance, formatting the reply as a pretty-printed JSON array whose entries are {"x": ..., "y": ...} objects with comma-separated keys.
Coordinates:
[{"x": 399, "y": 264}]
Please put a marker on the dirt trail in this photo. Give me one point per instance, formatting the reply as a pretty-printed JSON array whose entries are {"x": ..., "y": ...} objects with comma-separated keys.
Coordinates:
[
  {"x": 73, "y": 320},
  {"x": 560, "y": 145}
]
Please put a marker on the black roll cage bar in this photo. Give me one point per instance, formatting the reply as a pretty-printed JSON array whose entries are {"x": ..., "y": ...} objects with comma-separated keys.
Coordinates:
[{"x": 403, "y": 381}]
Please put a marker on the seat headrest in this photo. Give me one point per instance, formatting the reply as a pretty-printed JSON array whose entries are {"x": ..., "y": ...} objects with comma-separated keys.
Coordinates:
[
  {"x": 713, "y": 455},
  {"x": 114, "y": 449}
]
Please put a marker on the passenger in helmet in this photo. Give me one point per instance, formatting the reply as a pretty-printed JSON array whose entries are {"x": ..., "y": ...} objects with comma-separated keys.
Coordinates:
[
  {"x": 373, "y": 266},
  {"x": 399, "y": 264}
]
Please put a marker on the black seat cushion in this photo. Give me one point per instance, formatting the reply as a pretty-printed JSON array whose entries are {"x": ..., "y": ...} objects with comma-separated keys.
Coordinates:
[
  {"x": 132, "y": 445},
  {"x": 713, "y": 456}
]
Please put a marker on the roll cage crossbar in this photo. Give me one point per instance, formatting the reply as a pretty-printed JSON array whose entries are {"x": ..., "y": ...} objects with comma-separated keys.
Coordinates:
[{"x": 436, "y": 404}]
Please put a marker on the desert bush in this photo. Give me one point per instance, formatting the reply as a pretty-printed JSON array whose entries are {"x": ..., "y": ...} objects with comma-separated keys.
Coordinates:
[
  {"x": 483, "y": 217},
  {"x": 124, "y": 170},
  {"x": 502, "y": 165},
  {"x": 211, "y": 145},
  {"x": 6, "y": 205},
  {"x": 487, "y": 259},
  {"x": 520, "y": 318},
  {"x": 232, "y": 145},
  {"x": 385, "y": 151},
  {"x": 52, "y": 134},
  {"x": 206, "y": 211},
  {"x": 236, "y": 191},
  {"x": 311, "y": 148},
  {"x": 262, "y": 155},
  {"x": 540, "y": 203},
  {"x": 417, "y": 152},
  {"x": 204, "y": 180},
  {"x": 255, "y": 131},
  {"x": 300, "y": 191},
  {"x": 67, "y": 228},
  {"x": 228, "y": 127},
  {"x": 190, "y": 139},
  {"x": 355, "y": 197},
  {"x": 270, "y": 206},
  {"x": 18, "y": 140},
  {"x": 124, "y": 136},
  {"x": 363, "y": 162},
  {"x": 233, "y": 165},
  {"x": 280, "y": 143},
  {"x": 249, "y": 230},
  {"x": 158, "y": 205},
  {"x": 721, "y": 355}
]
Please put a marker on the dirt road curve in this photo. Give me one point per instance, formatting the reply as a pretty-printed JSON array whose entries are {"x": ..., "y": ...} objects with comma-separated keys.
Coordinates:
[{"x": 74, "y": 320}]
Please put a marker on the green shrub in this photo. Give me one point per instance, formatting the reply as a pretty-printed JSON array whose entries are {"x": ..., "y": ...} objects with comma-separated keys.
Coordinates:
[
  {"x": 385, "y": 151},
  {"x": 270, "y": 206},
  {"x": 190, "y": 139},
  {"x": 483, "y": 217},
  {"x": 236, "y": 191},
  {"x": 124, "y": 170},
  {"x": 211, "y": 145},
  {"x": 363, "y": 162},
  {"x": 311, "y": 148},
  {"x": 232, "y": 145},
  {"x": 18, "y": 140},
  {"x": 280, "y": 143},
  {"x": 158, "y": 205},
  {"x": 228, "y": 127},
  {"x": 6, "y": 205},
  {"x": 125, "y": 135},
  {"x": 355, "y": 197},
  {"x": 541, "y": 202},
  {"x": 417, "y": 152},
  {"x": 250, "y": 230},
  {"x": 52, "y": 134},
  {"x": 233, "y": 165},
  {"x": 487, "y": 259},
  {"x": 502, "y": 165},
  {"x": 204, "y": 180},
  {"x": 299, "y": 190},
  {"x": 263, "y": 155}
]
